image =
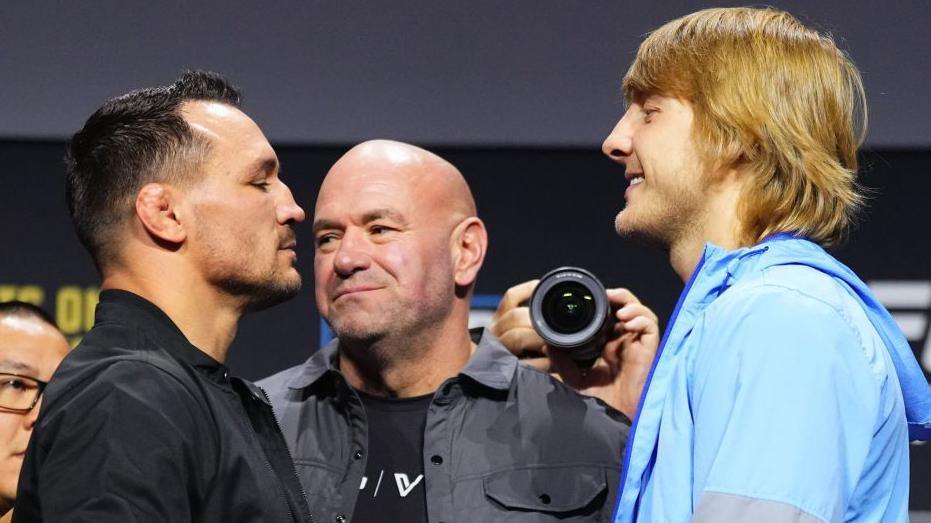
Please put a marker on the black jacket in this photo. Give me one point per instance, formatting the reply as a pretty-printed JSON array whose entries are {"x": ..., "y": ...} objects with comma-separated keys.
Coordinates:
[
  {"x": 139, "y": 425},
  {"x": 503, "y": 441}
]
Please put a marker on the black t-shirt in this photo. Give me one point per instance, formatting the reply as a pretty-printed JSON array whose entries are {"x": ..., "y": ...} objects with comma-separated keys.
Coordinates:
[{"x": 392, "y": 488}]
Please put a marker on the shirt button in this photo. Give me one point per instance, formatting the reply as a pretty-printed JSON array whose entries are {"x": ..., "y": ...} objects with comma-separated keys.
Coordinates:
[
  {"x": 436, "y": 460},
  {"x": 357, "y": 454}
]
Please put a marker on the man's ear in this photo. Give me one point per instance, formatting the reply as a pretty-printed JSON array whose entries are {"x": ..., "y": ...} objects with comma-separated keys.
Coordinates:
[
  {"x": 470, "y": 242},
  {"x": 155, "y": 208}
]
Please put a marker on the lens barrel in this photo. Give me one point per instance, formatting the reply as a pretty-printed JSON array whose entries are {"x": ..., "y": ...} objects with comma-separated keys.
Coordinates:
[{"x": 569, "y": 309}]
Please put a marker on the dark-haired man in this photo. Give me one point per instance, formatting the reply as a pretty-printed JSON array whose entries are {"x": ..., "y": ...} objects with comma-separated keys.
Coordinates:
[
  {"x": 31, "y": 346},
  {"x": 175, "y": 193}
]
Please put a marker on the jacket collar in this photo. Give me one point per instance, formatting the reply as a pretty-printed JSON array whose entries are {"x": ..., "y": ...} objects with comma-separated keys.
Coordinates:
[
  {"x": 789, "y": 250},
  {"x": 720, "y": 269},
  {"x": 124, "y": 307},
  {"x": 491, "y": 364}
]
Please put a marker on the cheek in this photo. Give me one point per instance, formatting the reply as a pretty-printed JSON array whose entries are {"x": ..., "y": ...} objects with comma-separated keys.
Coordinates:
[
  {"x": 398, "y": 261},
  {"x": 425, "y": 267},
  {"x": 10, "y": 426},
  {"x": 323, "y": 269}
]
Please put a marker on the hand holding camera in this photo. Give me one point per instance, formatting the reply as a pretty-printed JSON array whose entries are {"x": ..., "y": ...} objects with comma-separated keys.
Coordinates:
[{"x": 600, "y": 342}]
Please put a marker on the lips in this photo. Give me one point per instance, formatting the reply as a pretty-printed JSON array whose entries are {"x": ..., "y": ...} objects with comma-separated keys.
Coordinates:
[
  {"x": 289, "y": 240},
  {"x": 356, "y": 289}
]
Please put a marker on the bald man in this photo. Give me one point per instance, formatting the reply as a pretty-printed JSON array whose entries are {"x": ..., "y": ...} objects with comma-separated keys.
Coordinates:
[{"x": 407, "y": 415}]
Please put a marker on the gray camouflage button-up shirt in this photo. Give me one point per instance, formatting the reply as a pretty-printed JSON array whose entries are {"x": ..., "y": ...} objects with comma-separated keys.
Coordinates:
[{"x": 503, "y": 441}]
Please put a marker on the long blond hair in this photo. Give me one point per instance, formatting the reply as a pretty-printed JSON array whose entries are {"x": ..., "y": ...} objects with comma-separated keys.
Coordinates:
[{"x": 774, "y": 97}]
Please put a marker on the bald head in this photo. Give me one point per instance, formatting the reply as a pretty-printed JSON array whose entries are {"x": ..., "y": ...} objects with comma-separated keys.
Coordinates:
[
  {"x": 437, "y": 185},
  {"x": 398, "y": 244}
]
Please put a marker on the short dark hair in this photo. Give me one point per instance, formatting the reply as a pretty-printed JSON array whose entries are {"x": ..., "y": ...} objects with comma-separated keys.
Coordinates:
[
  {"x": 25, "y": 310},
  {"x": 134, "y": 139}
]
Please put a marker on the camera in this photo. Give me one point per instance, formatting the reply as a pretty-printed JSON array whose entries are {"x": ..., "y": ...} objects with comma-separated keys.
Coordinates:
[{"x": 569, "y": 310}]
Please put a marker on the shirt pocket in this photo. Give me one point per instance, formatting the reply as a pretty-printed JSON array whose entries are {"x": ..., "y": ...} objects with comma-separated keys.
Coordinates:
[{"x": 558, "y": 490}]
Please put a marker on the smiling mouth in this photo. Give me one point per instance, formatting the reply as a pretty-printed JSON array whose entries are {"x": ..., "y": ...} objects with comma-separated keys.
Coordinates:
[
  {"x": 353, "y": 290},
  {"x": 636, "y": 179}
]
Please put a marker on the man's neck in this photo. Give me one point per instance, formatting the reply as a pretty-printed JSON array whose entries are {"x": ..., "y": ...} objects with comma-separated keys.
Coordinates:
[
  {"x": 207, "y": 319},
  {"x": 718, "y": 224},
  {"x": 405, "y": 368}
]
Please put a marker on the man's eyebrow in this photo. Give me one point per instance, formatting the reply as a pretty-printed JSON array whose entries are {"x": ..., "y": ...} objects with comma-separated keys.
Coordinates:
[
  {"x": 17, "y": 367},
  {"x": 264, "y": 166},
  {"x": 380, "y": 214},
  {"x": 369, "y": 217},
  {"x": 323, "y": 224}
]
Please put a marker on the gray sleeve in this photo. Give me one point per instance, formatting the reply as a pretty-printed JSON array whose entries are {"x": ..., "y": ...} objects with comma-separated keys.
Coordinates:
[{"x": 716, "y": 506}]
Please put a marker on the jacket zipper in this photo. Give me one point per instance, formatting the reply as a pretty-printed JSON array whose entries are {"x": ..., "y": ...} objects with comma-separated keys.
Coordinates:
[
  {"x": 290, "y": 457},
  {"x": 643, "y": 395}
]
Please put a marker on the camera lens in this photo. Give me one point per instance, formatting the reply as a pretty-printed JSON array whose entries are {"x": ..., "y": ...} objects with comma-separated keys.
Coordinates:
[
  {"x": 569, "y": 310},
  {"x": 568, "y": 307}
]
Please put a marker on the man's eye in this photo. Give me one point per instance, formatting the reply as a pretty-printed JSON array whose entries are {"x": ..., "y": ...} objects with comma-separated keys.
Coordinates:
[
  {"x": 261, "y": 185},
  {"x": 14, "y": 385},
  {"x": 379, "y": 230},
  {"x": 325, "y": 239}
]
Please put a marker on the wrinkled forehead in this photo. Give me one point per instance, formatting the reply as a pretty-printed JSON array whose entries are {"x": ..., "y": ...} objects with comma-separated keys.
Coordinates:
[{"x": 357, "y": 189}]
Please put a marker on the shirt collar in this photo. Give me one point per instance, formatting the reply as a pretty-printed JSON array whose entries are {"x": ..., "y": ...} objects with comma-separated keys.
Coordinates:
[
  {"x": 491, "y": 364},
  {"x": 120, "y": 306}
]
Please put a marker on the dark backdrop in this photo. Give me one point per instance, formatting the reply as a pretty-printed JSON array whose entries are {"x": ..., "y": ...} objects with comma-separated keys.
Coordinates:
[
  {"x": 543, "y": 208},
  {"x": 478, "y": 72}
]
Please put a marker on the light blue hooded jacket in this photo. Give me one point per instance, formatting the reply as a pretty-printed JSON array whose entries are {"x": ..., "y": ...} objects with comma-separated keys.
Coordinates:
[{"x": 780, "y": 392}]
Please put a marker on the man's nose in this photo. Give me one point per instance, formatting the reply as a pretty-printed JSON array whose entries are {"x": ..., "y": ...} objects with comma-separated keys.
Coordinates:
[
  {"x": 352, "y": 255},
  {"x": 617, "y": 146},
  {"x": 288, "y": 210}
]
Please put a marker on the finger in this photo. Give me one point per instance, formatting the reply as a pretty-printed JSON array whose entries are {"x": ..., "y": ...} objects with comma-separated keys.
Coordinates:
[
  {"x": 518, "y": 318},
  {"x": 521, "y": 341},
  {"x": 621, "y": 297},
  {"x": 641, "y": 325},
  {"x": 516, "y": 295},
  {"x": 612, "y": 351},
  {"x": 631, "y": 311}
]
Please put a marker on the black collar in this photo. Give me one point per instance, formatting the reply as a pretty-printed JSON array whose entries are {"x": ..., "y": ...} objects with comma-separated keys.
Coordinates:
[{"x": 119, "y": 306}]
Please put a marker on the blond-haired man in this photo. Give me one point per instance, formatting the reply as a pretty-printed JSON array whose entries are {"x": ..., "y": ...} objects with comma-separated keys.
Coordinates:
[
  {"x": 778, "y": 393},
  {"x": 782, "y": 390}
]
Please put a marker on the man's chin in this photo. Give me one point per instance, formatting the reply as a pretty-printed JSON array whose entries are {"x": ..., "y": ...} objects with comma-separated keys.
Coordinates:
[
  {"x": 623, "y": 224},
  {"x": 262, "y": 295},
  {"x": 354, "y": 334},
  {"x": 627, "y": 227}
]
